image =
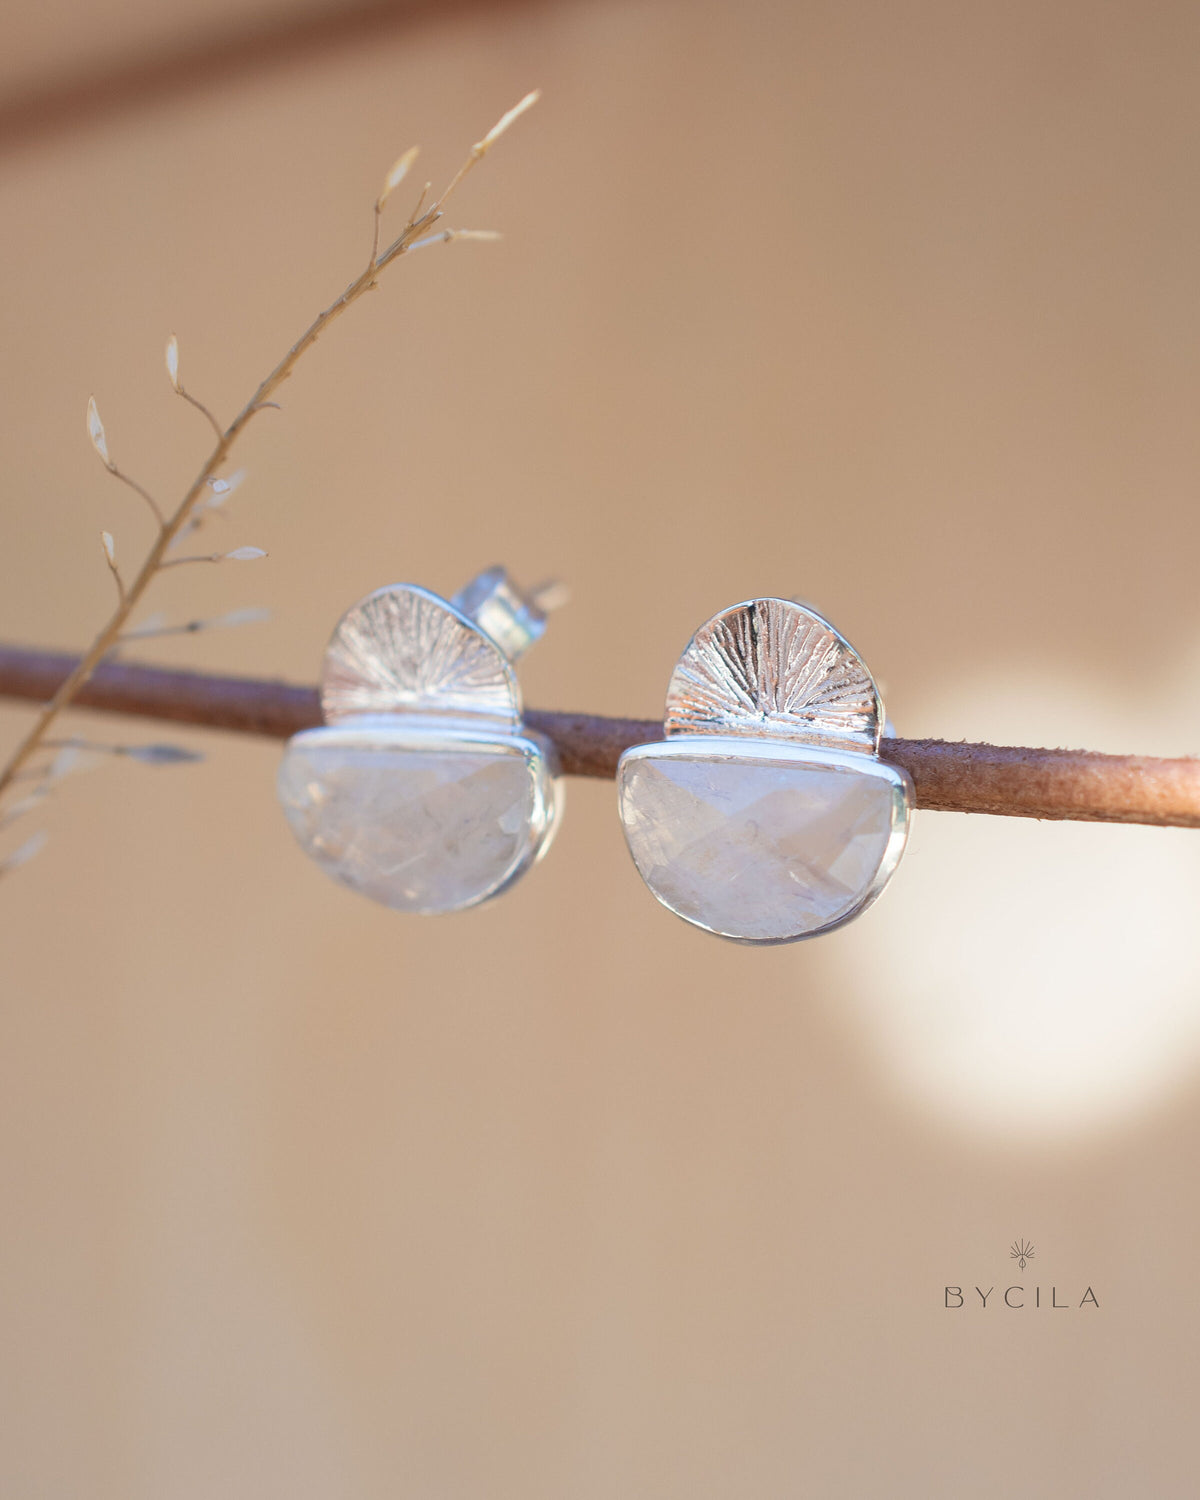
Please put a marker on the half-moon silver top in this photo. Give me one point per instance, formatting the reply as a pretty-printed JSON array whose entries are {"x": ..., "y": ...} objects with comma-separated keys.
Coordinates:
[
  {"x": 404, "y": 650},
  {"x": 777, "y": 670}
]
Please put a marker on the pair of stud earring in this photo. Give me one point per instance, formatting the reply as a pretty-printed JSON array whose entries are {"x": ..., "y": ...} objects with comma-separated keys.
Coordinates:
[{"x": 765, "y": 814}]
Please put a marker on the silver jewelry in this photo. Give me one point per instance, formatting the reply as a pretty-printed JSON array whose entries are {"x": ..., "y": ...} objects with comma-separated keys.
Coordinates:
[
  {"x": 424, "y": 791},
  {"x": 766, "y": 814}
]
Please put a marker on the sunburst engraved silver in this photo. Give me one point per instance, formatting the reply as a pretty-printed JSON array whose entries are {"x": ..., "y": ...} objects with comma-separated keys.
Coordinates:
[
  {"x": 774, "y": 669},
  {"x": 404, "y": 650}
]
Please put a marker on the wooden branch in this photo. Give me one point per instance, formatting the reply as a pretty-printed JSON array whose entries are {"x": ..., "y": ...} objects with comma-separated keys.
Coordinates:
[
  {"x": 197, "y": 64},
  {"x": 949, "y": 777}
]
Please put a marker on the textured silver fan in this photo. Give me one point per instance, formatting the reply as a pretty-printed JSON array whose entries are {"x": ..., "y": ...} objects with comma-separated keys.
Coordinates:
[
  {"x": 403, "y": 649},
  {"x": 776, "y": 669}
]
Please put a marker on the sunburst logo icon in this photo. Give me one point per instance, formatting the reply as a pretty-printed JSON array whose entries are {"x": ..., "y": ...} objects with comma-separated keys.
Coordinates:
[{"x": 1021, "y": 1252}]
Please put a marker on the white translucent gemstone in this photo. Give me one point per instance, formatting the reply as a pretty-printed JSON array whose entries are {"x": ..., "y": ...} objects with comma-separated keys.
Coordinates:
[
  {"x": 418, "y": 829},
  {"x": 761, "y": 849}
]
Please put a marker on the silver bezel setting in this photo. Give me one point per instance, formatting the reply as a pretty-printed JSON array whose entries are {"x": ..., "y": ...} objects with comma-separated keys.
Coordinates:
[
  {"x": 728, "y": 749},
  {"x": 383, "y": 732}
]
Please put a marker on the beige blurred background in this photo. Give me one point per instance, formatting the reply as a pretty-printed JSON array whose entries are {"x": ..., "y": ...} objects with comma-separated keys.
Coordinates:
[{"x": 893, "y": 306}]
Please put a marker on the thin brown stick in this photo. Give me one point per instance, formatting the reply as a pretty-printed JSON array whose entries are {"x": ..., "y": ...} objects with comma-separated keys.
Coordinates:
[
  {"x": 130, "y": 595},
  {"x": 248, "y": 46},
  {"x": 949, "y": 777}
]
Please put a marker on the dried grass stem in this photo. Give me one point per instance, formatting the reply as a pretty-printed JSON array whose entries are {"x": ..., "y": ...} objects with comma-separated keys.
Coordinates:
[{"x": 130, "y": 595}]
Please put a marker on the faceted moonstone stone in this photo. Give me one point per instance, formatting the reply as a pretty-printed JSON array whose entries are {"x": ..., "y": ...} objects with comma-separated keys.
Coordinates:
[
  {"x": 764, "y": 850},
  {"x": 419, "y": 830}
]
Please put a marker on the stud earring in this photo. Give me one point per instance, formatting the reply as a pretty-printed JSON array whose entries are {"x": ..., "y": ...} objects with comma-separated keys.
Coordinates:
[
  {"x": 424, "y": 791},
  {"x": 766, "y": 814}
]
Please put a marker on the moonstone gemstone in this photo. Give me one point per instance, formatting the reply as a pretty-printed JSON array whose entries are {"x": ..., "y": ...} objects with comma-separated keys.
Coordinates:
[
  {"x": 420, "y": 830},
  {"x": 758, "y": 849}
]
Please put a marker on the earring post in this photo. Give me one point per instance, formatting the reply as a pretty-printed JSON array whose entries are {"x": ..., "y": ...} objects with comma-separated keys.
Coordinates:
[{"x": 515, "y": 620}]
